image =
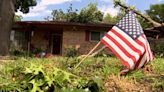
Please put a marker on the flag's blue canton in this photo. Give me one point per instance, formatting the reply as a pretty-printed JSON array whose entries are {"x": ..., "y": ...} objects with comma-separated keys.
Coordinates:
[{"x": 130, "y": 25}]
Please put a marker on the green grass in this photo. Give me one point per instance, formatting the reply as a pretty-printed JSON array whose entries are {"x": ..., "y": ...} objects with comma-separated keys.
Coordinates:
[
  {"x": 158, "y": 65},
  {"x": 93, "y": 68}
]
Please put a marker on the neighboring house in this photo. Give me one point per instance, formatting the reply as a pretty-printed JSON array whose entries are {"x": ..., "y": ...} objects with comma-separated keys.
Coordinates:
[{"x": 55, "y": 37}]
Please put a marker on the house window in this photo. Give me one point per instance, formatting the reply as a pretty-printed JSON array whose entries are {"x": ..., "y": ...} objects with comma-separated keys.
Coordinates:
[
  {"x": 96, "y": 36},
  {"x": 93, "y": 35},
  {"x": 18, "y": 39}
]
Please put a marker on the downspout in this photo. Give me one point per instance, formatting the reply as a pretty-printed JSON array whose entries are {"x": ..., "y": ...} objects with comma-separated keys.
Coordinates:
[{"x": 29, "y": 42}]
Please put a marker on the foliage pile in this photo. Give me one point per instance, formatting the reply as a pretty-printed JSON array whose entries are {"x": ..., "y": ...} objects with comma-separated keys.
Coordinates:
[
  {"x": 96, "y": 74},
  {"x": 40, "y": 77}
]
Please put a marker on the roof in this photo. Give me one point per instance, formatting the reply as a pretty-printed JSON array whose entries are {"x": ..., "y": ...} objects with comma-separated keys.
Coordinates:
[{"x": 59, "y": 24}]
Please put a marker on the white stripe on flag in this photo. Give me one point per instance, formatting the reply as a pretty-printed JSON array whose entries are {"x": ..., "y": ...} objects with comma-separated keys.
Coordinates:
[
  {"x": 117, "y": 49},
  {"x": 125, "y": 46},
  {"x": 136, "y": 45},
  {"x": 149, "y": 50},
  {"x": 141, "y": 39},
  {"x": 143, "y": 60}
]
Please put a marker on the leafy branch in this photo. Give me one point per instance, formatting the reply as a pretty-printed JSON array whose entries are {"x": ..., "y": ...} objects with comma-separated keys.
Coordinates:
[{"x": 148, "y": 18}]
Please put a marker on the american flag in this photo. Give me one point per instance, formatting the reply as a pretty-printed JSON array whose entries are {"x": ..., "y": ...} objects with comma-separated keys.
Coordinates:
[{"x": 129, "y": 43}]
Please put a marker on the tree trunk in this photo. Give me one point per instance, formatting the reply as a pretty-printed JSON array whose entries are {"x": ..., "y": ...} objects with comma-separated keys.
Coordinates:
[{"x": 6, "y": 20}]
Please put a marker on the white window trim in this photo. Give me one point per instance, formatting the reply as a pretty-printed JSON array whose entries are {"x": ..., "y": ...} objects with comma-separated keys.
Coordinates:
[{"x": 12, "y": 35}]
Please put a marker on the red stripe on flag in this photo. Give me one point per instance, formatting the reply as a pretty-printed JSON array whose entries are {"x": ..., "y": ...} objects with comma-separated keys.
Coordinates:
[
  {"x": 139, "y": 61},
  {"x": 140, "y": 43},
  {"x": 148, "y": 48},
  {"x": 117, "y": 54},
  {"x": 127, "y": 42},
  {"x": 122, "y": 48},
  {"x": 145, "y": 47}
]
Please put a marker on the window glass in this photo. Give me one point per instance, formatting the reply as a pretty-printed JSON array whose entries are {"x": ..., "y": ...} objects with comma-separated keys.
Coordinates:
[
  {"x": 96, "y": 36},
  {"x": 102, "y": 34}
]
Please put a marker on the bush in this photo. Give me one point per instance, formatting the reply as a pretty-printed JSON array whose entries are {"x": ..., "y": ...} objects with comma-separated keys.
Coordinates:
[
  {"x": 36, "y": 50},
  {"x": 71, "y": 52},
  {"x": 18, "y": 52},
  {"x": 160, "y": 51}
]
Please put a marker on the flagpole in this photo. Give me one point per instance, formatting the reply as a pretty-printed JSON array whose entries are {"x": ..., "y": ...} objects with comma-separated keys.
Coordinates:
[
  {"x": 88, "y": 54},
  {"x": 98, "y": 51}
]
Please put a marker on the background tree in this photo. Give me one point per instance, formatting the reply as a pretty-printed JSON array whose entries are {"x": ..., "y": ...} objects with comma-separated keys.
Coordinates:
[
  {"x": 156, "y": 12},
  {"x": 89, "y": 14},
  {"x": 71, "y": 15},
  {"x": 58, "y": 15},
  {"x": 110, "y": 19},
  {"x": 24, "y": 5},
  {"x": 18, "y": 18},
  {"x": 7, "y": 11}
]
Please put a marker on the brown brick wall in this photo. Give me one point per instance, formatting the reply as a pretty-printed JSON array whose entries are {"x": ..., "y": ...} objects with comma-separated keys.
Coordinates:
[
  {"x": 71, "y": 37},
  {"x": 38, "y": 40},
  {"x": 76, "y": 38}
]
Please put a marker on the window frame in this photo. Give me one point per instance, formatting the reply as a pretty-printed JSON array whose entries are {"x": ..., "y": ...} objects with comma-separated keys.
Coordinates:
[{"x": 101, "y": 34}]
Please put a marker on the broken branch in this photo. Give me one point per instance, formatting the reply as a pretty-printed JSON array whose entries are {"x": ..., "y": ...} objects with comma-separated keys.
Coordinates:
[{"x": 155, "y": 24}]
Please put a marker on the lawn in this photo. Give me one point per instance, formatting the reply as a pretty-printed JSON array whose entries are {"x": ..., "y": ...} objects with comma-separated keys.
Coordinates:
[{"x": 95, "y": 74}]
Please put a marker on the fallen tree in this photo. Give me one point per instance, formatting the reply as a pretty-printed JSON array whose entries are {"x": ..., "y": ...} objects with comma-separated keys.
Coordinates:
[{"x": 156, "y": 25}]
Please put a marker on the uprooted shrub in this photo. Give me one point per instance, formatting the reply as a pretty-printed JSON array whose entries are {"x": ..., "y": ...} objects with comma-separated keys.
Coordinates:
[{"x": 40, "y": 78}]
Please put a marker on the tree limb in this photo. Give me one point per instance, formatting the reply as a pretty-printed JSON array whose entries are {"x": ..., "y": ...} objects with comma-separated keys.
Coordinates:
[{"x": 155, "y": 24}]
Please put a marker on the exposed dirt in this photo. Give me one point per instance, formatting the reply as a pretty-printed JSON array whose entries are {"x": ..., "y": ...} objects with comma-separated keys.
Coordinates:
[
  {"x": 117, "y": 83},
  {"x": 7, "y": 58},
  {"x": 122, "y": 84}
]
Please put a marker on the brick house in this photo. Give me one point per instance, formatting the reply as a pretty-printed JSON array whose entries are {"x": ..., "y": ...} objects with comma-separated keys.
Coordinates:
[{"x": 55, "y": 37}]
